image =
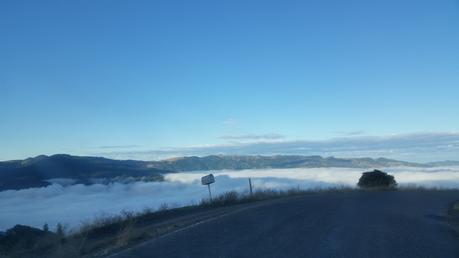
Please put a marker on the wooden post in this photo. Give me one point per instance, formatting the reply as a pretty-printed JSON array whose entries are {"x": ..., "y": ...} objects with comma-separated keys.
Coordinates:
[{"x": 250, "y": 185}]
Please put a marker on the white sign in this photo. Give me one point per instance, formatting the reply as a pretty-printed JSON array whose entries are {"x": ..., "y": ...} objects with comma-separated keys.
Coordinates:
[{"x": 207, "y": 180}]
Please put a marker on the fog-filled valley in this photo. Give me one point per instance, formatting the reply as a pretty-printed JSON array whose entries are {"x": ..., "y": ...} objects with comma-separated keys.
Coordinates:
[{"x": 71, "y": 205}]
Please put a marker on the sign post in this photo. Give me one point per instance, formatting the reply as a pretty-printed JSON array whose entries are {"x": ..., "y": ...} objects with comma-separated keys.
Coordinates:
[
  {"x": 210, "y": 193},
  {"x": 207, "y": 180}
]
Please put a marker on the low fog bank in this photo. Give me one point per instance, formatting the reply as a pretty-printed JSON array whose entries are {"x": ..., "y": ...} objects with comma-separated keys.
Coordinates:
[{"x": 74, "y": 204}]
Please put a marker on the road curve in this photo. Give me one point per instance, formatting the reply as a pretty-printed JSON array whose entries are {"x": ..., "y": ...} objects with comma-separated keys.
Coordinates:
[{"x": 352, "y": 224}]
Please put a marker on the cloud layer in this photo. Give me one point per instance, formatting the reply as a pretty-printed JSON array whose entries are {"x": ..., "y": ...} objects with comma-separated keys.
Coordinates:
[
  {"x": 253, "y": 137},
  {"x": 420, "y": 147},
  {"x": 74, "y": 204}
]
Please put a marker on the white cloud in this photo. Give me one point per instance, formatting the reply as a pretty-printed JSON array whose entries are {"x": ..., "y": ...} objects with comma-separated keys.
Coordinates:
[
  {"x": 253, "y": 137},
  {"x": 352, "y": 133},
  {"x": 119, "y": 146},
  {"x": 231, "y": 122}
]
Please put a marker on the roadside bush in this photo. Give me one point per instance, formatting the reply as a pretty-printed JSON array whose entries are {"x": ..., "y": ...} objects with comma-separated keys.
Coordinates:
[{"x": 377, "y": 179}]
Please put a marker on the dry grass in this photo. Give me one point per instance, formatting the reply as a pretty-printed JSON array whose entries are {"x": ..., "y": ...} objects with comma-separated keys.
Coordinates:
[
  {"x": 106, "y": 234},
  {"x": 453, "y": 217}
]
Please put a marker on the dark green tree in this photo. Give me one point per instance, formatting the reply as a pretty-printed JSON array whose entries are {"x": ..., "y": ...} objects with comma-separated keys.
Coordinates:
[
  {"x": 377, "y": 179},
  {"x": 46, "y": 228},
  {"x": 60, "y": 230}
]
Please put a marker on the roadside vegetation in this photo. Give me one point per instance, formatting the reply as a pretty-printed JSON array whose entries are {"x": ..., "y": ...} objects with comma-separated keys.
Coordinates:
[{"x": 105, "y": 235}]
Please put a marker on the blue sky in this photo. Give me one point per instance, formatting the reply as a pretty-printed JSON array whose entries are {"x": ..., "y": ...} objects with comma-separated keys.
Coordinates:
[{"x": 151, "y": 79}]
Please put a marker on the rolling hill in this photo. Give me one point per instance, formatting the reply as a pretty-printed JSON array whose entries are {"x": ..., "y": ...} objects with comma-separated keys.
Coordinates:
[
  {"x": 36, "y": 172},
  {"x": 43, "y": 170}
]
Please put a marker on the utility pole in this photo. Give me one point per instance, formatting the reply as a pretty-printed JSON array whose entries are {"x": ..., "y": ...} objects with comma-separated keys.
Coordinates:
[{"x": 250, "y": 186}]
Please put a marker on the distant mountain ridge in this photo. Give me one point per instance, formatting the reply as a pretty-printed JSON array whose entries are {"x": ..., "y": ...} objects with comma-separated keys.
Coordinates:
[
  {"x": 43, "y": 170},
  {"x": 444, "y": 163},
  {"x": 219, "y": 162}
]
